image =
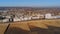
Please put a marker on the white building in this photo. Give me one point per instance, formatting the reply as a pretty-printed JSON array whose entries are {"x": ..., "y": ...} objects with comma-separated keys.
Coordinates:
[
  {"x": 35, "y": 17},
  {"x": 56, "y": 17},
  {"x": 17, "y": 19},
  {"x": 27, "y": 18},
  {"x": 48, "y": 16},
  {"x": 5, "y": 20},
  {"x": 8, "y": 16}
]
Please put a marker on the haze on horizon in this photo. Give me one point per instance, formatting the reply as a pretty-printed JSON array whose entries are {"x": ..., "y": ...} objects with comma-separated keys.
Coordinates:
[{"x": 30, "y": 3}]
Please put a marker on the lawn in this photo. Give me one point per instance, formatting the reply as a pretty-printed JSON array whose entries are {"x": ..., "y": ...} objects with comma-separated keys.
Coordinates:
[{"x": 34, "y": 27}]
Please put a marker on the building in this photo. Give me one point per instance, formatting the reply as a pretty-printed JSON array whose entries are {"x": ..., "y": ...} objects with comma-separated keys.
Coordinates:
[
  {"x": 3, "y": 19},
  {"x": 6, "y": 19},
  {"x": 27, "y": 18},
  {"x": 17, "y": 19},
  {"x": 48, "y": 16}
]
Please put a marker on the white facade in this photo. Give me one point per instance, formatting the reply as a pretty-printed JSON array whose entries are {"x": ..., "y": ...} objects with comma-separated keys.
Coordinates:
[
  {"x": 22, "y": 19},
  {"x": 7, "y": 16},
  {"x": 17, "y": 19},
  {"x": 48, "y": 16},
  {"x": 27, "y": 18},
  {"x": 5, "y": 20},
  {"x": 35, "y": 17},
  {"x": 56, "y": 16}
]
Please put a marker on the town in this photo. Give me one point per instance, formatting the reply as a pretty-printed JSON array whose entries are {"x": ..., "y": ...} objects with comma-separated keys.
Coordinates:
[
  {"x": 29, "y": 16},
  {"x": 26, "y": 14}
]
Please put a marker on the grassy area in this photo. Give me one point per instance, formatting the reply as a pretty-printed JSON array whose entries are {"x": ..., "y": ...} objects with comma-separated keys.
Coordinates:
[
  {"x": 3, "y": 28},
  {"x": 34, "y": 27},
  {"x": 55, "y": 22}
]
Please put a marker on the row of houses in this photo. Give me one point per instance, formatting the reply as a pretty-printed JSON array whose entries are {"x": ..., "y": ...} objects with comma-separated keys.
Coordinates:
[
  {"x": 5, "y": 18},
  {"x": 24, "y": 18},
  {"x": 20, "y": 18},
  {"x": 49, "y": 16}
]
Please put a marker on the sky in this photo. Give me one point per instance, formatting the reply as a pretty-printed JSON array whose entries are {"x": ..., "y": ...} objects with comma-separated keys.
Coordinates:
[{"x": 30, "y": 3}]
